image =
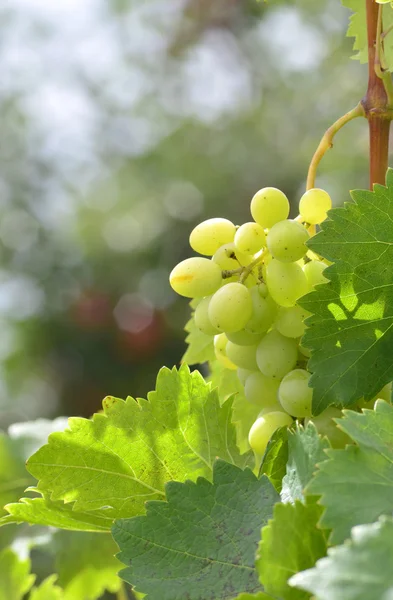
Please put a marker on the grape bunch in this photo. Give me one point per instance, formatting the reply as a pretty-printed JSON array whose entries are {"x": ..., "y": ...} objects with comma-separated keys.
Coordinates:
[{"x": 246, "y": 285}]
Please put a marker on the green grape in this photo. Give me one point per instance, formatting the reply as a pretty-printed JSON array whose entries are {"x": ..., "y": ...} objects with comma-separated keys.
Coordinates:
[
  {"x": 294, "y": 394},
  {"x": 208, "y": 236},
  {"x": 269, "y": 206},
  {"x": 286, "y": 241},
  {"x": 230, "y": 307},
  {"x": 264, "y": 311},
  {"x": 228, "y": 257},
  {"x": 220, "y": 344},
  {"x": 264, "y": 427},
  {"x": 195, "y": 277},
  {"x": 242, "y": 356},
  {"x": 262, "y": 289},
  {"x": 326, "y": 426},
  {"x": 286, "y": 282},
  {"x": 201, "y": 317},
  {"x": 313, "y": 271},
  {"x": 276, "y": 354},
  {"x": 262, "y": 390},
  {"x": 243, "y": 374},
  {"x": 250, "y": 238},
  {"x": 314, "y": 205},
  {"x": 290, "y": 321},
  {"x": 244, "y": 338},
  {"x": 303, "y": 352}
]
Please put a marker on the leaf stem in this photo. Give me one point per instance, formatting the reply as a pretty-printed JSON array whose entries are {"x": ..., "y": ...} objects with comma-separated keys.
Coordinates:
[{"x": 327, "y": 142}]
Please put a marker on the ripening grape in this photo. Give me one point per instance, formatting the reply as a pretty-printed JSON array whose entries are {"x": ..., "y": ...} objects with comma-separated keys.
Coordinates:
[
  {"x": 250, "y": 238},
  {"x": 314, "y": 205},
  {"x": 264, "y": 427},
  {"x": 244, "y": 337},
  {"x": 220, "y": 344},
  {"x": 243, "y": 374},
  {"x": 313, "y": 271},
  {"x": 264, "y": 311},
  {"x": 286, "y": 282},
  {"x": 290, "y": 321},
  {"x": 286, "y": 241},
  {"x": 228, "y": 257},
  {"x": 230, "y": 307},
  {"x": 326, "y": 426},
  {"x": 269, "y": 206},
  {"x": 294, "y": 394},
  {"x": 276, "y": 354},
  {"x": 242, "y": 356},
  {"x": 201, "y": 317},
  {"x": 273, "y": 408},
  {"x": 195, "y": 277},
  {"x": 262, "y": 390},
  {"x": 208, "y": 236},
  {"x": 262, "y": 289}
]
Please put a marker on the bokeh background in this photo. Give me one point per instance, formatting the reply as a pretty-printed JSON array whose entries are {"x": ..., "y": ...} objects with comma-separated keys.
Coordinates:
[{"x": 123, "y": 123}]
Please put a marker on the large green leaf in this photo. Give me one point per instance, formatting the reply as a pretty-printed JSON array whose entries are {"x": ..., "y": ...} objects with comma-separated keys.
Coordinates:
[
  {"x": 291, "y": 542},
  {"x": 305, "y": 449},
  {"x": 351, "y": 330},
  {"x": 201, "y": 544},
  {"x": 356, "y": 484},
  {"x": 86, "y": 564},
  {"x": 358, "y": 570},
  {"x": 116, "y": 461},
  {"x": 15, "y": 578}
]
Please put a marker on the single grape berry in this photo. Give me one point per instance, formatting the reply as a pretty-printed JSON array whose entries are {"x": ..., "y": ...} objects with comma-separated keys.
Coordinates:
[
  {"x": 313, "y": 271},
  {"x": 261, "y": 390},
  {"x": 250, "y": 238},
  {"x": 286, "y": 282},
  {"x": 290, "y": 321},
  {"x": 276, "y": 354},
  {"x": 230, "y": 307},
  {"x": 314, "y": 205},
  {"x": 242, "y": 356},
  {"x": 269, "y": 206},
  {"x": 208, "y": 236},
  {"x": 294, "y": 394},
  {"x": 264, "y": 427},
  {"x": 228, "y": 257},
  {"x": 196, "y": 277},
  {"x": 286, "y": 241}
]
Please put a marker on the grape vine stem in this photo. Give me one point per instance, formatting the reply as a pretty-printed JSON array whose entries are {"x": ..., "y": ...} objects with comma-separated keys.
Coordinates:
[{"x": 327, "y": 142}]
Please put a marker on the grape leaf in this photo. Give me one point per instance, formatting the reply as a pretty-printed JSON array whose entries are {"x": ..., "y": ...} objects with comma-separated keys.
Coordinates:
[
  {"x": 351, "y": 330},
  {"x": 86, "y": 564},
  {"x": 48, "y": 590},
  {"x": 200, "y": 346},
  {"x": 42, "y": 511},
  {"x": 291, "y": 542},
  {"x": 15, "y": 578},
  {"x": 358, "y": 570},
  {"x": 119, "y": 459},
  {"x": 276, "y": 457},
  {"x": 305, "y": 449},
  {"x": 201, "y": 544},
  {"x": 358, "y": 29},
  {"x": 361, "y": 476}
]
